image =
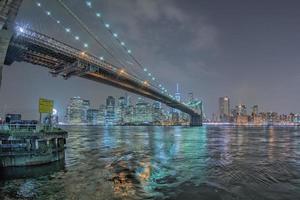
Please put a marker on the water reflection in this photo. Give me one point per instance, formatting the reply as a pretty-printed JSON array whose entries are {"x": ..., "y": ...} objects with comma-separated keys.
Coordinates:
[{"x": 171, "y": 163}]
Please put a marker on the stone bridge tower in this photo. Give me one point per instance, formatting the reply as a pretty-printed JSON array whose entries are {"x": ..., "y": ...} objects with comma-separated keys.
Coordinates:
[{"x": 8, "y": 13}]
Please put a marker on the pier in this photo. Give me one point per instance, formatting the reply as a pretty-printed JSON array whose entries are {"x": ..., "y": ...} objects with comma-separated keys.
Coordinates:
[{"x": 30, "y": 144}]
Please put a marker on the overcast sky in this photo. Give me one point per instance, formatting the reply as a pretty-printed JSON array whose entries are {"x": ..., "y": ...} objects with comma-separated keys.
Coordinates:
[{"x": 247, "y": 50}]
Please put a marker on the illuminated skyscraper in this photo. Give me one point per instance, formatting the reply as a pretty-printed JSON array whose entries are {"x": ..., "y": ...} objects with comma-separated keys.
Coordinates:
[
  {"x": 77, "y": 110},
  {"x": 92, "y": 116},
  {"x": 177, "y": 94},
  {"x": 156, "y": 112},
  {"x": 143, "y": 114},
  {"x": 255, "y": 110},
  {"x": 101, "y": 115},
  {"x": 241, "y": 110},
  {"x": 121, "y": 110},
  {"x": 110, "y": 117},
  {"x": 224, "y": 109}
]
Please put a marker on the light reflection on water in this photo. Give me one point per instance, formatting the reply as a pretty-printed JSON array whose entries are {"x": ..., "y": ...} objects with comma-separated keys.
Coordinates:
[{"x": 168, "y": 163}]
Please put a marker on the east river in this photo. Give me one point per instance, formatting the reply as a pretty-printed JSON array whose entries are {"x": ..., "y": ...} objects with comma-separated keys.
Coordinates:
[{"x": 209, "y": 162}]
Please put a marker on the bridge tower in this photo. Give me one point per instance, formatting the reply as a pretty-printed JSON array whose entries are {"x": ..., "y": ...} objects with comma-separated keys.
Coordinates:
[
  {"x": 8, "y": 13},
  {"x": 196, "y": 120}
]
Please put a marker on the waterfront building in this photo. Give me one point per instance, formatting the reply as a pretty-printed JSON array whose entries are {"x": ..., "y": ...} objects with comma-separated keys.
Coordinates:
[
  {"x": 255, "y": 110},
  {"x": 241, "y": 110},
  {"x": 242, "y": 119},
  {"x": 224, "y": 109},
  {"x": 10, "y": 118},
  {"x": 92, "y": 116},
  {"x": 101, "y": 115},
  {"x": 121, "y": 110},
  {"x": 110, "y": 117},
  {"x": 129, "y": 115},
  {"x": 156, "y": 113},
  {"x": 177, "y": 94},
  {"x": 297, "y": 118},
  {"x": 77, "y": 110},
  {"x": 143, "y": 114}
]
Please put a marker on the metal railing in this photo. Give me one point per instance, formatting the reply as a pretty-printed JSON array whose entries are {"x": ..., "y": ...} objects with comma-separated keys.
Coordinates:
[{"x": 32, "y": 128}]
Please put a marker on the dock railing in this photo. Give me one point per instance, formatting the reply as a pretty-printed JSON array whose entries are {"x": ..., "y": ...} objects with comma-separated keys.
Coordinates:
[{"x": 26, "y": 128}]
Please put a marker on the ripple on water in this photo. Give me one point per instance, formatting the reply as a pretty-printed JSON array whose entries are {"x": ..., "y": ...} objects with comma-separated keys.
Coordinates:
[{"x": 169, "y": 163}]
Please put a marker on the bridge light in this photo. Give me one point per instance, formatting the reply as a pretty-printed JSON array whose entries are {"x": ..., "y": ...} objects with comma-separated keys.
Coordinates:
[
  {"x": 122, "y": 71},
  {"x": 107, "y": 25},
  {"x": 38, "y": 4},
  {"x": 58, "y": 21},
  {"x": 160, "y": 85},
  {"x": 149, "y": 74},
  {"x": 85, "y": 45},
  {"x": 76, "y": 37},
  {"x": 68, "y": 30},
  {"x": 129, "y": 51},
  {"x": 153, "y": 78},
  {"x": 145, "y": 69},
  {"x": 145, "y": 82},
  {"x": 48, "y": 13},
  {"x": 98, "y": 14},
  {"x": 21, "y": 29},
  {"x": 122, "y": 43},
  {"x": 115, "y": 35},
  {"x": 163, "y": 88},
  {"x": 89, "y": 4},
  {"x": 101, "y": 58},
  {"x": 82, "y": 53}
]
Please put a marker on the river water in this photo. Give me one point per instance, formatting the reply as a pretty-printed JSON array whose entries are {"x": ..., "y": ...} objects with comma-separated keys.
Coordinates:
[{"x": 210, "y": 162}]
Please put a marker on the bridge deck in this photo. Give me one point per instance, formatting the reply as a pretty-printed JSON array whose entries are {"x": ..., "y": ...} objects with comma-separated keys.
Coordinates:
[{"x": 36, "y": 48}]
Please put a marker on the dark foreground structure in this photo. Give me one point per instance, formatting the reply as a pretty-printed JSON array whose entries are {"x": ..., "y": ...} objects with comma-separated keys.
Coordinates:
[{"x": 25, "y": 145}]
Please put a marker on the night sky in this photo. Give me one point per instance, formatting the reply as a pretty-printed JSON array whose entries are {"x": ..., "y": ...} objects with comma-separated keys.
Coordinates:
[{"x": 247, "y": 50}]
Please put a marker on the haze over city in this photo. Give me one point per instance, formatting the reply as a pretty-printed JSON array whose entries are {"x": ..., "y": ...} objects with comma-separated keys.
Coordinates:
[{"x": 247, "y": 50}]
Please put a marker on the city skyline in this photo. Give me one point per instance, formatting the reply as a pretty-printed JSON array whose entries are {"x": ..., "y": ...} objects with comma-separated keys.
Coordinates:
[{"x": 229, "y": 55}]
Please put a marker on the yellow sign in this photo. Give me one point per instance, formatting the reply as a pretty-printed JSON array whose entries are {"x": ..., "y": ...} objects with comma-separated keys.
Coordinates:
[{"x": 45, "y": 105}]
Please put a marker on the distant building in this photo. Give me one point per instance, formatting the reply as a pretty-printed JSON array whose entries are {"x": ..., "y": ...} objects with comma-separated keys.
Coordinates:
[
  {"x": 11, "y": 118},
  {"x": 242, "y": 119},
  {"x": 177, "y": 94},
  {"x": 143, "y": 114},
  {"x": 297, "y": 118},
  {"x": 255, "y": 110},
  {"x": 121, "y": 110},
  {"x": 77, "y": 110},
  {"x": 241, "y": 110},
  {"x": 156, "y": 112},
  {"x": 92, "y": 116},
  {"x": 224, "y": 109},
  {"x": 101, "y": 115},
  {"x": 110, "y": 117}
]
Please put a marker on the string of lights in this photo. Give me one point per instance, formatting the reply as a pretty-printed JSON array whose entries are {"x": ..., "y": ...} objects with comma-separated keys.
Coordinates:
[
  {"x": 66, "y": 28},
  {"x": 76, "y": 37},
  {"x": 127, "y": 50},
  {"x": 59, "y": 22}
]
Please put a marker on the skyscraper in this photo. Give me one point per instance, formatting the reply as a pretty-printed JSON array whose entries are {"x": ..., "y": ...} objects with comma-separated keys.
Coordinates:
[
  {"x": 224, "y": 109},
  {"x": 241, "y": 110},
  {"x": 121, "y": 110},
  {"x": 177, "y": 94},
  {"x": 143, "y": 114},
  {"x": 77, "y": 110},
  {"x": 92, "y": 116},
  {"x": 110, "y": 117},
  {"x": 255, "y": 110}
]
